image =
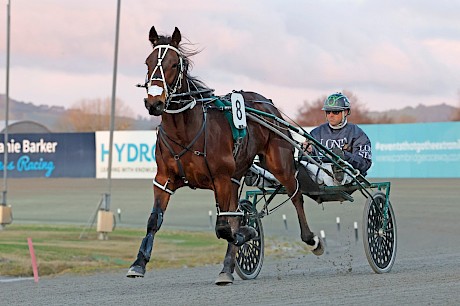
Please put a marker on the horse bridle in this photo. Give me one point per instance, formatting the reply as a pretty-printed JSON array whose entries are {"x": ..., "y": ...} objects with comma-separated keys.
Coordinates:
[{"x": 152, "y": 90}]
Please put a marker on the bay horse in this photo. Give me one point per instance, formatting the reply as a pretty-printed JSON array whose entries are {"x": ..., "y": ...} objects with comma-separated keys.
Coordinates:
[{"x": 195, "y": 148}]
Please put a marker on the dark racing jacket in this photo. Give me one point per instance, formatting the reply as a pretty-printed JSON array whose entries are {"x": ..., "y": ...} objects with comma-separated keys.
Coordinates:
[{"x": 351, "y": 139}]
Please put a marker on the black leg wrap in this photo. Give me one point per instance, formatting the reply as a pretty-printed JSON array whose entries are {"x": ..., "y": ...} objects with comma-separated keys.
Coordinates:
[
  {"x": 137, "y": 269},
  {"x": 146, "y": 247},
  {"x": 245, "y": 233},
  {"x": 239, "y": 239},
  {"x": 153, "y": 225},
  {"x": 223, "y": 229},
  {"x": 155, "y": 220}
]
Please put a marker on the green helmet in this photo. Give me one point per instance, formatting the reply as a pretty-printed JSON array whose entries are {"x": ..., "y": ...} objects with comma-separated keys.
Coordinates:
[{"x": 336, "y": 102}]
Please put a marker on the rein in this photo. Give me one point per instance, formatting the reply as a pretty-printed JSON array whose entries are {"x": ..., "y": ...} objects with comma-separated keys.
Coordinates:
[{"x": 188, "y": 103}]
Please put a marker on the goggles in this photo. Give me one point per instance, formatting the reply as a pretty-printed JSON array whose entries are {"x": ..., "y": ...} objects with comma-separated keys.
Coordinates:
[{"x": 334, "y": 112}]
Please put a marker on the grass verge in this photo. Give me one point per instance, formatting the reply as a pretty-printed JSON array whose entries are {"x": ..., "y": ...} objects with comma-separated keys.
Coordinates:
[{"x": 59, "y": 250}]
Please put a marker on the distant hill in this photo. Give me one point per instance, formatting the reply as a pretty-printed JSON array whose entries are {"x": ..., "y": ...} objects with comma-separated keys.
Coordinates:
[
  {"x": 50, "y": 115},
  {"x": 420, "y": 113}
]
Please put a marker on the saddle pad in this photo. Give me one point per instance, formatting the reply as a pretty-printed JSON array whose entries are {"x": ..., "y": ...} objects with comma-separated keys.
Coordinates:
[{"x": 236, "y": 133}]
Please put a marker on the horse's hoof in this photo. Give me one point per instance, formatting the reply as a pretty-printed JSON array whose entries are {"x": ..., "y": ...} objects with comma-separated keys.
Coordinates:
[
  {"x": 319, "y": 250},
  {"x": 318, "y": 247},
  {"x": 135, "y": 271},
  {"x": 224, "y": 279}
]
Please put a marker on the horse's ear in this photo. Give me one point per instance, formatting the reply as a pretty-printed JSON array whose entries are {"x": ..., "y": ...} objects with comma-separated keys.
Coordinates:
[
  {"x": 176, "y": 37},
  {"x": 153, "y": 36}
]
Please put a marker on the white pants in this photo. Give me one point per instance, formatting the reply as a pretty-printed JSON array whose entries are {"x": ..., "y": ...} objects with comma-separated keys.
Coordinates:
[{"x": 320, "y": 177}]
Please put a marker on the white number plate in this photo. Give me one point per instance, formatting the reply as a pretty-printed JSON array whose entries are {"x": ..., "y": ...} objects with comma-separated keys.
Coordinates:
[{"x": 238, "y": 111}]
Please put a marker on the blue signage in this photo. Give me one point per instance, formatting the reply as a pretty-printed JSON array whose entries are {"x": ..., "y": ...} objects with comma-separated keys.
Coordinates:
[
  {"x": 49, "y": 155},
  {"x": 420, "y": 150}
]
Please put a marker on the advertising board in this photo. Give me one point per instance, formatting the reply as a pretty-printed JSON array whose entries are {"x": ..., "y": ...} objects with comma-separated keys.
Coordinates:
[
  {"x": 49, "y": 155},
  {"x": 416, "y": 150},
  {"x": 133, "y": 154}
]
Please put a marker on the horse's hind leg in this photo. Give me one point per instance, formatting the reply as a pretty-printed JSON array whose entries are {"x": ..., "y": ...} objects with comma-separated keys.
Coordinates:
[
  {"x": 280, "y": 161},
  {"x": 314, "y": 243},
  {"x": 137, "y": 269}
]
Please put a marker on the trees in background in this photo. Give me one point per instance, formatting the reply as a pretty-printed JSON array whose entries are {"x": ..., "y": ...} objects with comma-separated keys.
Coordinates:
[
  {"x": 456, "y": 114},
  {"x": 310, "y": 113},
  {"x": 89, "y": 115}
]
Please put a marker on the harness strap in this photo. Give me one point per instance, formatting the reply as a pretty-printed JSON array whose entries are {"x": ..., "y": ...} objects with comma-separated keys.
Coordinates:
[
  {"x": 236, "y": 146},
  {"x": 235, "y": 181},
  {"x": 230, "y": 214},
  {"x": 163, "y": 187},
  {"x": 185, "y": 149},
  {"x": 187, "y": 106}
]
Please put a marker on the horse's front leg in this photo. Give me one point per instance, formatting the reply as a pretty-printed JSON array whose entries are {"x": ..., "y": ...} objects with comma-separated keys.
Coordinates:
[
  {"x": 228, "y": 228},
  {"x": 161, "y": 199}
]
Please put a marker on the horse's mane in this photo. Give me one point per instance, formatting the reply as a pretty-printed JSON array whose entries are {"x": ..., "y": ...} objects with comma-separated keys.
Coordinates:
[{"x": 187, "y": 50}]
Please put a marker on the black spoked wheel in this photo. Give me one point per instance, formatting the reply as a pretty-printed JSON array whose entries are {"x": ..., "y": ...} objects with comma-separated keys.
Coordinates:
[
  {"x": 250, "y": 256},
  {"x": 379, "y": 242}
]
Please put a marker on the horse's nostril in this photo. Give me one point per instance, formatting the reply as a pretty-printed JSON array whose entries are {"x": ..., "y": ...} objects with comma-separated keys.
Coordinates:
[{"x": 155, "y": 109}]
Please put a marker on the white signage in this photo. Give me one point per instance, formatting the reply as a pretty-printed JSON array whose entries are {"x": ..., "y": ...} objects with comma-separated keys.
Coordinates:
[{"x": 133, "y": 154}]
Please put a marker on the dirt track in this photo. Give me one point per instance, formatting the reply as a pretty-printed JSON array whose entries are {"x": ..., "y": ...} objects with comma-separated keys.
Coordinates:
[{"x": 427, "y": 268}]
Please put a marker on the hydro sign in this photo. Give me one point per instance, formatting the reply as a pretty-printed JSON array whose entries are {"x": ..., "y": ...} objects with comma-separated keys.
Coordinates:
[{"x": 133, "y": 154}]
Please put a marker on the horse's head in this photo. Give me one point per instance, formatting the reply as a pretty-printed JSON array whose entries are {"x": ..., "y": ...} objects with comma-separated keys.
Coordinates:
[{"x": 165, "y": 71}]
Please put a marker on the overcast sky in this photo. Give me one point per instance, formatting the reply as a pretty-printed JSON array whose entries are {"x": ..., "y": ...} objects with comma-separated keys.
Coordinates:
[{"x": 389, "y": 53}]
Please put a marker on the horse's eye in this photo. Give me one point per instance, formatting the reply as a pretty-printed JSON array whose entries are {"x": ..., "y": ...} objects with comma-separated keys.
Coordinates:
[{"x": 174, "y": 66}]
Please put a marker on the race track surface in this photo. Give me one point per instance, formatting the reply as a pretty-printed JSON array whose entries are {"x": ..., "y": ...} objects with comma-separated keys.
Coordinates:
[{"x": 426, "y": 271}]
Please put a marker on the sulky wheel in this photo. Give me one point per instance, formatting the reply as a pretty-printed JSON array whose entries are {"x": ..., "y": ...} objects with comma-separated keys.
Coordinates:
[
  {"x": 250, "y": 256},
  {"x": 379, "y": 243}
]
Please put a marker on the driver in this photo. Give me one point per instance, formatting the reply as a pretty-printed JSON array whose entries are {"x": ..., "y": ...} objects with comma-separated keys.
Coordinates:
[{"x": 345, "y": 139}]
